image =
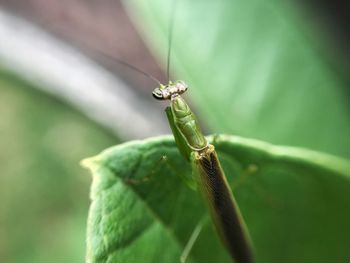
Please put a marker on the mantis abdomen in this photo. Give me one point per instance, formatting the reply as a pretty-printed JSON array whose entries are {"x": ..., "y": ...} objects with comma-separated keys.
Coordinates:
[{"x": 222, "y": 205}]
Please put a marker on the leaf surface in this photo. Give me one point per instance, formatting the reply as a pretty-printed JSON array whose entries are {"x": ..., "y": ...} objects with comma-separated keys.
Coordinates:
[{"x": 295, "y": 203}]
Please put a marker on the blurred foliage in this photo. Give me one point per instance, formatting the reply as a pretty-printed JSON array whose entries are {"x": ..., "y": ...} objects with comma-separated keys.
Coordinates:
[
  {"x": 43, "y": 190},
  {"x": 295, "y": 203},
  {"x": 255, "y": 68}
]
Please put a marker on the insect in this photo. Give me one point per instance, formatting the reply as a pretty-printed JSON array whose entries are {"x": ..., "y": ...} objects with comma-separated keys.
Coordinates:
[
  {"x": 208, "y": 175},
  {"x": 207, "y": 172}
]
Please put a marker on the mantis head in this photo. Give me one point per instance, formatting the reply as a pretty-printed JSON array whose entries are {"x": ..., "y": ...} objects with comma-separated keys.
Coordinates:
[{"x": 166, "y": 92}]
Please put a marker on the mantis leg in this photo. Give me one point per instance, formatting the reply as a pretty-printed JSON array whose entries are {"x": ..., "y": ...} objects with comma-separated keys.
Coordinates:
[
  {"x": 153, "y": 172},
  {"x": 181, "y": 143},
  {"x": 184, "y": 149},
  {"x": 192, "y": 240}
]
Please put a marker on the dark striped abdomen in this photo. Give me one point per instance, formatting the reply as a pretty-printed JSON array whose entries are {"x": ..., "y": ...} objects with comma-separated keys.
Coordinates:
[{"x": 222, "y": 205}]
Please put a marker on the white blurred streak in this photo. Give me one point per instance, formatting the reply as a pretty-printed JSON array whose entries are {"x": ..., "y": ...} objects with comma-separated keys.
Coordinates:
[{"x": 63, "y": 71}]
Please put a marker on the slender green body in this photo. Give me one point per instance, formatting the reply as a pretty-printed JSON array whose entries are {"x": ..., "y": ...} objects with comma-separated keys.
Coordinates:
[
  {"x": 187, "y": 124},
  {"x": 208, "y": 174}
]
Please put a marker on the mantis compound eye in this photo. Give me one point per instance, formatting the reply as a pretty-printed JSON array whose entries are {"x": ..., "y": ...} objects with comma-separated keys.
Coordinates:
[
  {"x": 181, "y": 86},
  {"x": 158, "y": 94}
]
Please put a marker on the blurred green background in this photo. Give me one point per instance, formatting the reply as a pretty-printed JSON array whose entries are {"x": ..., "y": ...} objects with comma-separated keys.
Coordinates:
[
  {"x": 262, "y": 69},
  {"x": 43, "y": 190}
]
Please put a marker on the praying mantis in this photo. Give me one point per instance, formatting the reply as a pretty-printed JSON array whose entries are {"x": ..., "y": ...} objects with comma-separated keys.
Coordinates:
[
  {"x": 208, "y": 178},
  {"x": 207, "y": 172},
  {"x": 208, "y": 175}
]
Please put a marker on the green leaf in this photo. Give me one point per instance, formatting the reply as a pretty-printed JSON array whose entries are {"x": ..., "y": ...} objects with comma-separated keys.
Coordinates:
[
  {"x": 295, "y": 203},
  {"x": 255, "y": 69}
]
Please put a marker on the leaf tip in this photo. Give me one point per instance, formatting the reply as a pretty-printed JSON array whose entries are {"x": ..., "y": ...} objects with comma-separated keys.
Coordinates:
[{"x": 91, "y": 163}]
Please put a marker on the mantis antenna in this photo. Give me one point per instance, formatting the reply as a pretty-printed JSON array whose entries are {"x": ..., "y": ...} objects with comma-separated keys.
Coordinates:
[
  {"x": 123, "y": 63},
  {"x": 170, "y": 36},
  {"x": 96, "y": 52}
]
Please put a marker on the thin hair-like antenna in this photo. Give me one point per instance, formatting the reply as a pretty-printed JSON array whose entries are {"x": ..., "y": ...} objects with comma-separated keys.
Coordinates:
[
  {"x": 170, "y": 36},
  {"x": 95, "y": 52},
  {"x": 125, "y": 64},
  {"x": 121, "y": 62}
]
